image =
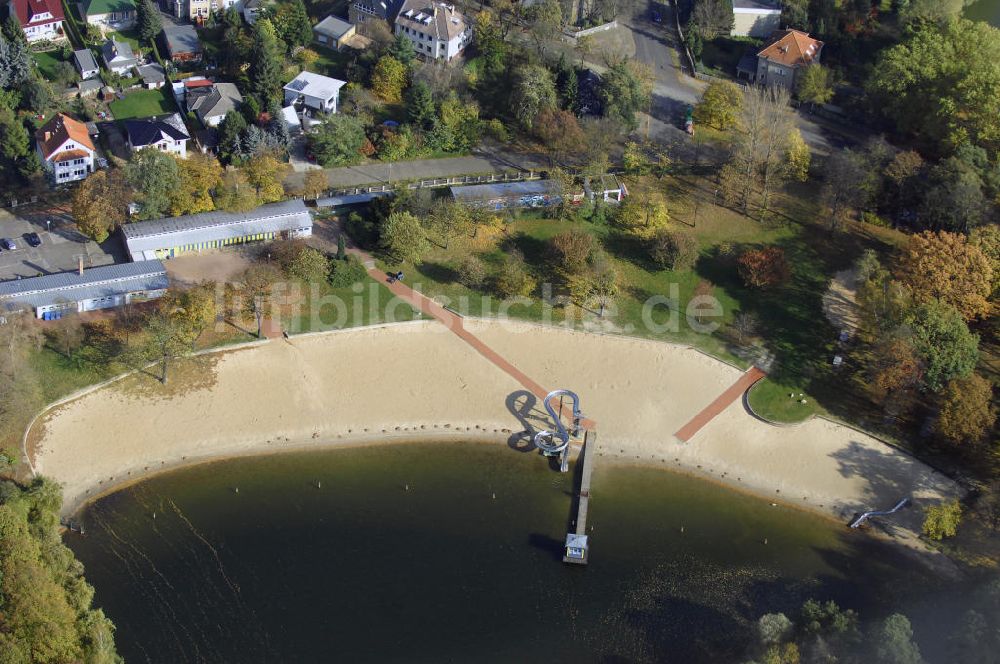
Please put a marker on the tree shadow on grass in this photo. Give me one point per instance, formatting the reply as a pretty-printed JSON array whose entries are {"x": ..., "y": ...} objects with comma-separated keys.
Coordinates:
[{"x": 438, "y": 272}]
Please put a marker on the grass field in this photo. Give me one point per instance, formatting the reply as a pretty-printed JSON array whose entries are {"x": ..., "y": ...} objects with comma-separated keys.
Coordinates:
[
  {"x": 47, "y": 63},
  {"x": 143, "y": 104},
  {"x": 793, "y": 332}
]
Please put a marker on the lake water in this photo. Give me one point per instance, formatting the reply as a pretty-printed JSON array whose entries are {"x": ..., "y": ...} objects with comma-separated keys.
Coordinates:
[
  {"x": 985, "y": 10},
  {"x": 328, "y": 556}
]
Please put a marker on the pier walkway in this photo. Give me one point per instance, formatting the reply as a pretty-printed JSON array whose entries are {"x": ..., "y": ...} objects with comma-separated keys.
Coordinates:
[{"x": 577, "y": 546}]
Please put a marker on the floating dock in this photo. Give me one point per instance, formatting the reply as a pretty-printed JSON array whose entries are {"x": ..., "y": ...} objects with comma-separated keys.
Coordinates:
[{"x": 577, "y": 550}]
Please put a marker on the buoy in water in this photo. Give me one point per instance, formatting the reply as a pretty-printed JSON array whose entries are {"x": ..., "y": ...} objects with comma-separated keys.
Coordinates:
[
  {"x": 237, "y": 489},
  {"x": 319, "y": 485},
  {"x": 494, "y": 496},
  {"x": 682, "y": 529},
  {"x": 406, "y": 487},
  {"x": 765, "y": 540}
]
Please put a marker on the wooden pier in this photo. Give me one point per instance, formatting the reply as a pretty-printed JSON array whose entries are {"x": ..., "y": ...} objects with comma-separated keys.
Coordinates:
[{"x": 577, "y": 550}]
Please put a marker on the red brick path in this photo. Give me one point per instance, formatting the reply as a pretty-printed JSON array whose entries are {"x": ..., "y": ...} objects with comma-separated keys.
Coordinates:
[
  {"x": 454, "y": 323},
  {"x": 721, "y": 402}
]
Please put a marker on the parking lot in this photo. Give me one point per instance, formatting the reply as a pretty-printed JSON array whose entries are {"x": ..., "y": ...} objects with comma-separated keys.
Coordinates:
[{"x": 61, "y": 249}]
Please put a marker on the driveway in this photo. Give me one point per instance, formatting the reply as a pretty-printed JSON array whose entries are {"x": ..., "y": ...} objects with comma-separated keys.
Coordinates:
[{"x": 62, "y": 246}]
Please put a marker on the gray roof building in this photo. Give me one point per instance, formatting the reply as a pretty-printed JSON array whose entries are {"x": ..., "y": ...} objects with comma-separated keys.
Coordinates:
[
  {"x": 508, "y": 194},
  {"x": 152, "y": 74},
  {"x": 211, "y": 103},
  {"x": 118, "y": 56},
  {"x": 96, "y": 288},
  {"x": 147, "y": 240},
  {"x": 85, "y": 63},
  {"x": 182, "y": 42}
]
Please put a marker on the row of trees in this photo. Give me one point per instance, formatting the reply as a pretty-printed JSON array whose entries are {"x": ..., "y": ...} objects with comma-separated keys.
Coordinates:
[{"x": 163, "y": 185}]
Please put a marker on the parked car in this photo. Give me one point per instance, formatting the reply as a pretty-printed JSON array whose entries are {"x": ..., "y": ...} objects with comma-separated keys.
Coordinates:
[
  {"x": 33, "y": 239},
  {"x": 8, "y": 244},
  {"x": 656, "y": 17}
]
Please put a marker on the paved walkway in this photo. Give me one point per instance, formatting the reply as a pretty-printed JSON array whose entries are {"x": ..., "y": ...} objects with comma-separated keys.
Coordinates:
[{"x": 721, "y": 402}]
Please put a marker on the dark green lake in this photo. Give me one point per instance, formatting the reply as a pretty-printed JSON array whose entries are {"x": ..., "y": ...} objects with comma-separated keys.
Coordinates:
[
  {"x": 984, "y": 10},
  {"x": 364, "y": 570}
]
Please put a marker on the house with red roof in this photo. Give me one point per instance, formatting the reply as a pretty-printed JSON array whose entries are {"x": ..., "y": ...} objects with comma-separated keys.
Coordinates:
[
  {"x": 781, "y": 58},
  {"x": 66, "y": 150},
  {"x": 40, "y": 19}
]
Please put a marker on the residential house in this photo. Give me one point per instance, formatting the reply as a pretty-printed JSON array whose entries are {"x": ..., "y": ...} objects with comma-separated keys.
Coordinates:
[
  {"x": 40, "y": 19},
  {"x": 182, "y": 43},
  {"x": 166, "y": 133},
  {"x": 153, "y": 76},
  {"x": 333, "y": 32},
  {"x": 65, "y": 148},
  {"x": 755, "y": 18},
  {"x": 252, "y": 9},
  {"x": 118, "y": 56},
  {"x": 115, "y": 14},
  {"x": 313, "y": 91},
  {"x": 211, "y": 102},
  {"x": 85, "y": 63},
  {"x": 361, "y": 12},
  {"x": 437, "y": 30},
  {"x": 777, "y": 63}
]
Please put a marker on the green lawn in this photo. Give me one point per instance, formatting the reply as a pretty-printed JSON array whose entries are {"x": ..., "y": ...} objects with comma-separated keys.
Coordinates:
[
  {"x": 47, "y": 63},
  {"x": 143, "y": 104},
  {"x": 328, "y": 308}
]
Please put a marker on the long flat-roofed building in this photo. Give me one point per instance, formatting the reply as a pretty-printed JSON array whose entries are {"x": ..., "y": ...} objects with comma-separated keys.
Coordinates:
[
  {"x": 54, "y": 295},
  {"x": 194, "y": 233}
]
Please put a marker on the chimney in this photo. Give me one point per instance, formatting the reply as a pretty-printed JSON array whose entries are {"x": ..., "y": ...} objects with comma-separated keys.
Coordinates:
[{"x": 80, "y": 268}]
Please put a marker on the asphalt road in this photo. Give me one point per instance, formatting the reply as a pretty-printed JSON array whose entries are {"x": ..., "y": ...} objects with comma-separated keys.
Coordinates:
[{"x": 62, "y": 246}]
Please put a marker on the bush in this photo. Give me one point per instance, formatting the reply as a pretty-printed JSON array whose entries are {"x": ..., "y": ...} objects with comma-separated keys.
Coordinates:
[
  {"x": 514, "y": 280},
  {"x": 362, "y": 230},
  {"x": 472, "y": 273},
  {"x": 572, "y": 249},
  {"x": 942, "y": 520},
  {"x": 672, "y": 250},
  {"x": 874, "y": 219},
  {"x": 310, "y": 266},
  {"x": 763, "y": 268},
  {"x": 345, "y": 273}
]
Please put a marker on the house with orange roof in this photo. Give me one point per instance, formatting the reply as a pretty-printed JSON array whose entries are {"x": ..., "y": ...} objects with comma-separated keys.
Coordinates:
[
  {"x": 783, "y": 55},
  {"x": 65, "y": 148}
]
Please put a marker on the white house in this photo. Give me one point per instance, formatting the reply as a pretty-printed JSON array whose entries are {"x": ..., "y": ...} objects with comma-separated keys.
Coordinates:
[
  {"x": 114, "y": 14},
  {"x": 85, "y": 63},
  {"x": 65, "y": 148},
  {"x": 437, "y": 30},
  {"x": 118, "y": 56},
  {"x": 166, "y": 133},
  {"x": 40, "y": 19},
  {"x": 755, "y": 18},
  {"x": 319, "y": 93}
]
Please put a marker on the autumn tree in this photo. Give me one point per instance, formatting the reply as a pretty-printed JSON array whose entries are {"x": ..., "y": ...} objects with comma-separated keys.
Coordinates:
[
  {"x": 265, "y": 174},
  {"x": 720, "y": 105},
  {"x": 572, "y": 250},
  {"x": 966, "y": 412},
  {"x": 760, "y": 159},
  {"x": 192, "y": 310},
  {"x": 560, "y": 132},
  {"x": 940, "y": 521},
  {"x": 256, "y": 291},
  {"x": 897, "y": 366},
  {"x": 513, "y": 279},
  {"x": 642, "y": 214},
  {"x": 199, "y": 176},
  {"x": 844, "y": 175},
  {"x": 389, "y": 79},
  {"x": 763, "y": 268},
  {"x": 711, "y": 18},
  {"x": 100, "y": 204},
  {"x": 337, "y": 141},
  {"x": 673, "y": 250},
  {"x": 799, "y": 156},
  {"x": 987, "y": 240},
  {"x": 946, "y": 267},
  {"x": 309, "y": 265},
  {"x": 402, "y": 238},
  {"x": 165, "y": 339},
  {"x": 544, "y": 21},
  {"x": 315, "y": 184},
  {"x": 448, "y": 220},
  {"x": 626, "y": 89}
]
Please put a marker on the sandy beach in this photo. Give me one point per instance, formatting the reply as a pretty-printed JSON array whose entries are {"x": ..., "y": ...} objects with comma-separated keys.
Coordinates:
[{"x": 419, "y": 381}]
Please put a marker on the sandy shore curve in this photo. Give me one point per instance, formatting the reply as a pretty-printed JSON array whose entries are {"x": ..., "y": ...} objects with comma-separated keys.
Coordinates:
[{"x": 419, "y": 381}]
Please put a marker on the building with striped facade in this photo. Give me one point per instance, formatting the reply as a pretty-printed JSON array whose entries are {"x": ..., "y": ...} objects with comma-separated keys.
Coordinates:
[{"x": 197, "y": 233}]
